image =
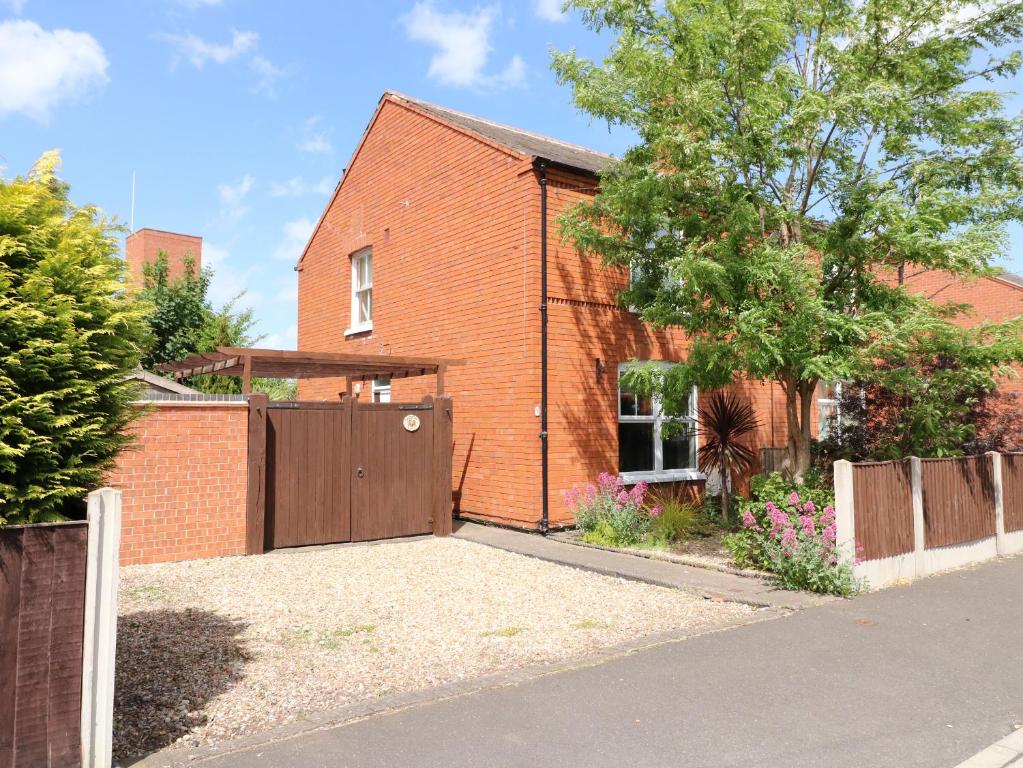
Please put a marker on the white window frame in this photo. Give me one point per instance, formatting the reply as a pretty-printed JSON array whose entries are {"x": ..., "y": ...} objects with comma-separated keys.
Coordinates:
[
  {"x": 381, "y": 388},
  {"x": 355, "y": 326},
  {"x": 832, "y": 404},
  {"x": 657, "y": 418}
]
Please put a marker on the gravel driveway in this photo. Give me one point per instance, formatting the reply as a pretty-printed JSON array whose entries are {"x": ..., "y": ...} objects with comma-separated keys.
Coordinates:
[{"x": 212, "y": 649}]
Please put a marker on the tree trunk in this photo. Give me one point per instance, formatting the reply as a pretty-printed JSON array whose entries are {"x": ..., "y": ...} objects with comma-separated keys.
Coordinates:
[
  {"x": 798, "y": 404},
  {"x": 726, "y": 473}
]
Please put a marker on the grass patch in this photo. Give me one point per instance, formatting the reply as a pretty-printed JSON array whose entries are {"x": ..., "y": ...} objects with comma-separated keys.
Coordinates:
[
  {"x": 148, "y": 592},
  {"x": 331, "y": 638},
  {"x": 589, "y": 624},
  {"x": 504, "y": 632}
]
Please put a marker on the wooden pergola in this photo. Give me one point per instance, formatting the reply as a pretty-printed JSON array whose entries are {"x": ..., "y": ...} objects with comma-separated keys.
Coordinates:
[{"x": 289, "y": 364}]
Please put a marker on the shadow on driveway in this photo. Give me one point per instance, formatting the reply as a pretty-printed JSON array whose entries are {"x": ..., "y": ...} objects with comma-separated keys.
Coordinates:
[{"x": 170, "y": 664}]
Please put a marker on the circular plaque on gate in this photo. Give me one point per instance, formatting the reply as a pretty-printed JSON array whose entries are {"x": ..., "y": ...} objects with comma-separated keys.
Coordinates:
[{"x": 410, "y": 422}]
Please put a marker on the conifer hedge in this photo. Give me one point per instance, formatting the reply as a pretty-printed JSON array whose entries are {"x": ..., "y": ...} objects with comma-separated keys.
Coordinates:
[{"x": 69, "y": 335}]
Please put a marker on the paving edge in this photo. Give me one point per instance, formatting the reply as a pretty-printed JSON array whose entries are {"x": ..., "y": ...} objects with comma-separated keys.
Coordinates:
[
  {"x": 1001, "y": 754},
  {"x": 179, "y": 757},
  {"x": 705, "y": 593}
]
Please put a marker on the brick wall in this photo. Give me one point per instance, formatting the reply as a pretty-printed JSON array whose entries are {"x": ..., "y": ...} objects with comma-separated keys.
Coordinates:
[
  {"x": 143, "y": 246},
  {"x": 452, "y": 221},
  {"x": 184, "y": 483},
  {"x": 989, "y": 299}
]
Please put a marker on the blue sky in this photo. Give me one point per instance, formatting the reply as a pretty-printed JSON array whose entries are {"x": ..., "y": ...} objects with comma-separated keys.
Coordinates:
[{"x": 237, "y": 116}]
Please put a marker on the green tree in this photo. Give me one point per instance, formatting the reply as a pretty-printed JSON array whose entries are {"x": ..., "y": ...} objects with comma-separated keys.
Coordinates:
[
  {"x": 183, "y": 321},
  {"x": 68, "y": 337},
  {"x": 793, "y": 157}
]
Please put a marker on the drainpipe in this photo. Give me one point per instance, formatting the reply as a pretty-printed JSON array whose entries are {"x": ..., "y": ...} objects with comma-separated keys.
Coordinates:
[{"x": 542, "y": 165}]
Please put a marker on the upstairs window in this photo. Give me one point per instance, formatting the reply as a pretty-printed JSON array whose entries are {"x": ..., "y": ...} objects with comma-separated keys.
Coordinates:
[
  {"x": 362, "y": 291},
  {"x": 645, "y": 452}
]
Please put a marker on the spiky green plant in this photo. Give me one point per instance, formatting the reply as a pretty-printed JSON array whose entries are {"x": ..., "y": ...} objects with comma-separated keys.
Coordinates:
[{"x": 725, "y": 422}]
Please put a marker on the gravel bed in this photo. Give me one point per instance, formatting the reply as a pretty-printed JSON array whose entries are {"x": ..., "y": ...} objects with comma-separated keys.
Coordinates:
[{"x": 213, "y": 649}]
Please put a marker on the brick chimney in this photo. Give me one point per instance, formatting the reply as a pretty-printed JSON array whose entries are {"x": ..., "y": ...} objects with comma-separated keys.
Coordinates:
[{"x": 144, "y": 245}]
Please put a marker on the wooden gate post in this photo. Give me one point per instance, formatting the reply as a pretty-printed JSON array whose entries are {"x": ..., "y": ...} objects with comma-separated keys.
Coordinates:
[
  {"x": 255, "y": 496},
  {"x": 442, "y": 450}
]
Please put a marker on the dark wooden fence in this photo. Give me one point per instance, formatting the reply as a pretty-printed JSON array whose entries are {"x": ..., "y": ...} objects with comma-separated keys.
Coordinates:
[
  {"x": 1012, "y": 491},
  {"x": 42, "y": 618},
  {"x": 959, "y": 500},
  {"x": 915, "y": 517},
  {"x": 884, "y": 508}
]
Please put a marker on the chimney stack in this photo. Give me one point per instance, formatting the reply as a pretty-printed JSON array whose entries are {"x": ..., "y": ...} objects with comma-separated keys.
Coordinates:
[{"x": 144, "y": 245}]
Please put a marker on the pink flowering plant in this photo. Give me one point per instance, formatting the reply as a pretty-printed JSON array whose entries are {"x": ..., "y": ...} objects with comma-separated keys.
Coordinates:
[
  {"x": 790, "y": 532},
  {"x": 609, "y": 513}
]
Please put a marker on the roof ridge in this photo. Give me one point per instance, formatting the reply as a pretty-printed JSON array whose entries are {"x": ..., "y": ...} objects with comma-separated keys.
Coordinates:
[{"x": 504, "y": 126}]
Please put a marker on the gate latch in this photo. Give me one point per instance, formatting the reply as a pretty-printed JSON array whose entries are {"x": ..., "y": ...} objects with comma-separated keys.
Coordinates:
[{"x": 359, "y": 472}]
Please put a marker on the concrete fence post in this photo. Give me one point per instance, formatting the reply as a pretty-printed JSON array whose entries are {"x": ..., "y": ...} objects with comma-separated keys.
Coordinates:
[
  {"x": 916, "y": 479},
  {"x": 104, "y": 515},
  {"x": 1001, "y": 543},
  {"x": 845, "y": 508}
]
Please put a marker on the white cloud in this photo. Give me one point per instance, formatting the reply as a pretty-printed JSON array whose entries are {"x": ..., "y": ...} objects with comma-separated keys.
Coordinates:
[
  {"x": 267, "y": 73},
  {"x": 233, "y": 205},
  {"x": 289, "y": 293},
  {"x": 315, "y": 139},
  {"x": 16, "y": 6},
  {"x": 242, "y": 45},
  {"x": 296, "y": 235},
  {"x": 297, "y": 186},
  {"x": 286, "y": 339},
  {"x": 199, "y": 51},
  {"x": 194, "y": 4},
  {"x": 463, "y": 43},
  {"x": 228, "y": 282},
  {"x": 550, "y": 10},
  {"x": 41, "y": 68}
]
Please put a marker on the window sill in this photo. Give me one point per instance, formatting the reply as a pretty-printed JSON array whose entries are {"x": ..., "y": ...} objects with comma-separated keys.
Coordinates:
[
  {"x": 358, "y": 329},
  {"x": 665, "y": 476}
]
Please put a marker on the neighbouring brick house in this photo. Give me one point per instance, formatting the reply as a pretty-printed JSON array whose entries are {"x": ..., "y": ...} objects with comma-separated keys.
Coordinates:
[{"x": 432, "y": 245}]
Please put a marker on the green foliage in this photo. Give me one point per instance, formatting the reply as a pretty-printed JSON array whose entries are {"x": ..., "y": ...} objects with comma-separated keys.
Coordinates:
[
  {"x": 925, "y": 404},
  {"x": 811, "y": 567},
  {"x": 790, "y": 532},
  {"x": 748, "y": 546},
  {"x": 609, "y": 515},
  {"x": 677, "y": 521},
  {"x": 184, "y": 321},
  {"x": 68, "y": 338},
  {"x": 792, "y": 157},
  {"x": 276, "y": 389}
]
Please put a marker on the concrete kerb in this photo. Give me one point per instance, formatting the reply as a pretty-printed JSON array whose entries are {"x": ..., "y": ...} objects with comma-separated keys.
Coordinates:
[
  {"x": 703, "y": 582},
  {"x": 1001, "y": 754},
  {"x": 180, "y": 757}
]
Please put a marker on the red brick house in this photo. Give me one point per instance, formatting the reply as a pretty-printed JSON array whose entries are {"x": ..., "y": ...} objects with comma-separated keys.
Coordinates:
[{"x": 435, "y": 243}]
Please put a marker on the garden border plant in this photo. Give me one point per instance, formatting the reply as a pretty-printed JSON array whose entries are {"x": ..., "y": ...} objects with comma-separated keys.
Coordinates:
[{"x": 789, "y": 531}]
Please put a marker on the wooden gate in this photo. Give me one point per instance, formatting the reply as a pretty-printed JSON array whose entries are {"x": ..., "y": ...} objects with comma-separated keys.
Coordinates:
[{"x": 354, "y": 472}]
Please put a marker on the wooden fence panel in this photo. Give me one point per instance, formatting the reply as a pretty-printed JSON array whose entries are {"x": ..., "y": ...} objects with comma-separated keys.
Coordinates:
[
  {"x": 959, "y": 500},
  {"x": 42, "y": 624},
  {"x": 1012, "y": 491},
  {"x": 883, "y": 497}
]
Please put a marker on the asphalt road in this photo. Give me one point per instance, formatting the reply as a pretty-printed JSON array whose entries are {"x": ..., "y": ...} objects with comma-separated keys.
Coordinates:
[{"x": 925, "y": 675}]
